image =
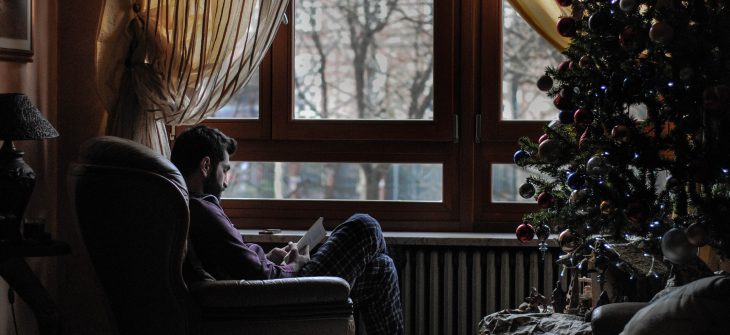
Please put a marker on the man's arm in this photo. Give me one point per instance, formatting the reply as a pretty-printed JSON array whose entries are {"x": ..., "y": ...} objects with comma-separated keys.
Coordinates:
[{"x": 221, "y": 249}]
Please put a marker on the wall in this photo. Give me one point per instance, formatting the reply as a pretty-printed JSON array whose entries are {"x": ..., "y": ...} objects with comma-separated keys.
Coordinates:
[
  {"x": 38, "y": 80},
  {"x": 81, "y": 114}
]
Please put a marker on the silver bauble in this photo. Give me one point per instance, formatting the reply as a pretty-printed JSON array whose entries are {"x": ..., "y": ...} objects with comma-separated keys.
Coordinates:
[
  {"x": 676, "y": 248},
  {"x": 597, "y": 166}
]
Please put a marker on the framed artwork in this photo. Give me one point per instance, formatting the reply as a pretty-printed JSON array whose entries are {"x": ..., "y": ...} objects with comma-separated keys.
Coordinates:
[{"x": 16, "y": 30}]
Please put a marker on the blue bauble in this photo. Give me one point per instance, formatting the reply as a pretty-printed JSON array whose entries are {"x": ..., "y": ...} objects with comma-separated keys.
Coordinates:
[
  {"x": 566, "y": 116},
  {"x": 520, "y": 156},
  {"x": 575, "y": 181}
]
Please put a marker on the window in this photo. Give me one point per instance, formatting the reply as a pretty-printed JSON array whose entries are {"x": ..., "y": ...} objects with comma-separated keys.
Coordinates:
[{"x": 376, "y": 107}]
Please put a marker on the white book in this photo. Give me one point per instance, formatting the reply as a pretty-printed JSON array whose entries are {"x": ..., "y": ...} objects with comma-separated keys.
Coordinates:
[{"x": 314, "y": 236}]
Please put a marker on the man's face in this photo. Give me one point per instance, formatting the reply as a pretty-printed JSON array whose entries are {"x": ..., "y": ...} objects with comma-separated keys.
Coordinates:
[{"x": 217, "y": 180}]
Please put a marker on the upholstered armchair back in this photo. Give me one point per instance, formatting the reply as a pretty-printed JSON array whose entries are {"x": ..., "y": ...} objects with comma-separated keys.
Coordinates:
[{"x": 132, "y": 212}]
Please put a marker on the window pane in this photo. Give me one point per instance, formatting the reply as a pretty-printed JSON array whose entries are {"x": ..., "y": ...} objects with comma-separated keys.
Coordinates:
[
  {"x": 525, "y": 56},
  {"x": 506, "y": 180},
  {"x": 335, "y": 181},
  {"x": 244, "y": 104},
  {"x": 363, "y": 60}
]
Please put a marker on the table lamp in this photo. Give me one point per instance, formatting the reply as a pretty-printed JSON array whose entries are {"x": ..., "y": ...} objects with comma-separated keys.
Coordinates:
[{"x": 19, "y": 120}]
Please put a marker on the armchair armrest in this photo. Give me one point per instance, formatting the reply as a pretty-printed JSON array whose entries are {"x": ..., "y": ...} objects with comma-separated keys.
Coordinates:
[
  {"x": 610, "y": 319},
  {"x": 292, "y": 297}
]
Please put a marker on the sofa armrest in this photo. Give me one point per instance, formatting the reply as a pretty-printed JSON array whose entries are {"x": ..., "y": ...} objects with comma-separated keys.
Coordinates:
[
  {"x": 271, "y": 292},
  {"x": 610, "y": 319}
]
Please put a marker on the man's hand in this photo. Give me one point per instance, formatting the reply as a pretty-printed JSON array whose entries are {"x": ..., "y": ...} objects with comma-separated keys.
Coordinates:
[
  {"x": 295, "y": 258},
  {"x": 277, "y": 255}
]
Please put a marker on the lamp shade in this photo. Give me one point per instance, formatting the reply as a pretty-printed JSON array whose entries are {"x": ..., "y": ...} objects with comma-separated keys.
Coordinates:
[{"x": 21, "y": 120}]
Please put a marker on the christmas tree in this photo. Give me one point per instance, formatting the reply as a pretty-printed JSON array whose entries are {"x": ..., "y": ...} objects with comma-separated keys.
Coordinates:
[{"x": 641, "y": 145}]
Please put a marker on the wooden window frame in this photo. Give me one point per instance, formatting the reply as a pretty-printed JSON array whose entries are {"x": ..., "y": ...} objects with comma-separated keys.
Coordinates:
[
  {"x": 467, "y": 84},
  {"x": 499, "y": 137}
]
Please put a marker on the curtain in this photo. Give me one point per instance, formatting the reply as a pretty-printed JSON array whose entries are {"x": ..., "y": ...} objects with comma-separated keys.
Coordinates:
[
  {"x": 175, "y": 62},
  {"x": 543, "y": 16}
]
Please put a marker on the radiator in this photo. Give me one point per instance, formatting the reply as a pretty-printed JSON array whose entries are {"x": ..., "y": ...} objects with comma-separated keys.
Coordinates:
[{"x": 447, "y": 290}]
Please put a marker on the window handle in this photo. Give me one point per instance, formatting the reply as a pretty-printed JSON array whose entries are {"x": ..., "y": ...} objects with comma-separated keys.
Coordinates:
[
  {"x": 478, "y": 130},
  {"x": 456, "y": 128},
  {"x": 285, "y": 19}
]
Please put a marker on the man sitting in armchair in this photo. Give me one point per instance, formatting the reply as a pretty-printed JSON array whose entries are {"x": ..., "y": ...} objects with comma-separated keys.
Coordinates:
[{"x": 355, "y": 250}]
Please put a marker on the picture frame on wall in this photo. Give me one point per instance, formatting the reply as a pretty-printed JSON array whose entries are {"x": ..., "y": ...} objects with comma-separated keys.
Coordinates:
[{"x": 16, "y": 30}]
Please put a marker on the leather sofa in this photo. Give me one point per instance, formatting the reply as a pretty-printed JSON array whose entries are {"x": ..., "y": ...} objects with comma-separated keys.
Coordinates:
[{"x": 131, "y": 207}]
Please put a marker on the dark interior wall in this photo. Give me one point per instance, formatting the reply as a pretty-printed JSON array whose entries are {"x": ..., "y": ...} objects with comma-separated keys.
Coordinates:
[
  {"x": 38, "y": 80},
  {"x": 80, "y": 117}
]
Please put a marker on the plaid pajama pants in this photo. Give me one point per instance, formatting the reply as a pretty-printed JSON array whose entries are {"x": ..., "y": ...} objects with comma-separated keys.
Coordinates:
[{"x": 356, "y": 251}]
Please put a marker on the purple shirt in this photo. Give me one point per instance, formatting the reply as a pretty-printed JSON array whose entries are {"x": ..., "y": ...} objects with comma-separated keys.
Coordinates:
[{"x": 220, "y": 247}]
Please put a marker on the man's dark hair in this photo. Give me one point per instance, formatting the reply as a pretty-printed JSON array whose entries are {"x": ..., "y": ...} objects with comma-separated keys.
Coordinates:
[{"x": 197, "y": 142}]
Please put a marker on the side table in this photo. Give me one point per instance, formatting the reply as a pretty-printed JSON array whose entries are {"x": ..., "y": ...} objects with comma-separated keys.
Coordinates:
[{"x": 21, "y": 278}]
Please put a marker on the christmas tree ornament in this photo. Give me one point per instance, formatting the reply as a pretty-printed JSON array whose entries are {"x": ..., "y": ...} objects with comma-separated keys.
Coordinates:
[
  {"x": 676, "y": 248},
  {"x": 569, "y": 240},
  {"x": 661, "y": 32},
  {"x": 545, "y": 83},
  {"x": 545, "y": 200},
  {"x": 542, "y": 232},
  {"x": 583, "y": 117},
  {"x": 577, "y": 196},
  {"x": 582, "y": 139},
  {"x": 631, "y": 84},
  {"x": 566, "y": 116},
  {"x": 584, "y": 61},
  {"x": 627, "y": 5},
  {"x": 637, "y": 212},
  {"x": 606, "y": 207},
  {"x": 564, "y": 65},
  {"x": 672, "y": 183},
  {"x": 520, "y": 156},
  {"x": 597, "y": 166},
  {"x": 631, "y": 38},
  {"x": 697, "y": 235},
  {"x": 620, "y": 134},
  {"x": 575, "y": 181},
  {"x": 566, "y": 26},
  {"x": 525, "y": 232},
  {"x": 564, "y": 3},
  {"x": 527, "y": 190},
  {"x": 549, "y": 150},
  {"x": 542, "y": 138},
  {"x": 599, "y": 21},
  {"x": 561, "y": 102}
]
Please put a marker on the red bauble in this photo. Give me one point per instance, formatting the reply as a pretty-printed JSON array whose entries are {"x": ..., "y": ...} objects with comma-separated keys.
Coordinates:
[
  {"x": 561, "y": 102},
  {"x": 569, "y": 240},
  {"x": 525, "y": 232},
  {"x": 661, "y": 32},
  {"x": 637, "y": 212},
  {"x": 549, "y": 150},
  {"x": 566, "y": 27},
  {"x": 583, "y": 117},
  {"x": 565, "y": 3},
  {"x": 631, "y": 38},
  {"x": 621, "y": 134},
  {"x": 545, "y": 200},
  {"x": 564, "y": 65}
]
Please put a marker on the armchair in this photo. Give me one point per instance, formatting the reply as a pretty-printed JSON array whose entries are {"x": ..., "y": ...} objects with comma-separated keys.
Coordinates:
[{"x": 131, "y": 207}]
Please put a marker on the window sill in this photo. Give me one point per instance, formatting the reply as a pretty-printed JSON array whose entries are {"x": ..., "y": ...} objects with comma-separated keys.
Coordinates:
[{"x": 410, "y": 238}]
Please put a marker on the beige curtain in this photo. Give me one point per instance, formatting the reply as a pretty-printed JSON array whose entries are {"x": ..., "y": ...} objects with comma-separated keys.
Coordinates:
[
  {"x": 543, "y": 16},
  {"x": 175, "y": 62}
]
